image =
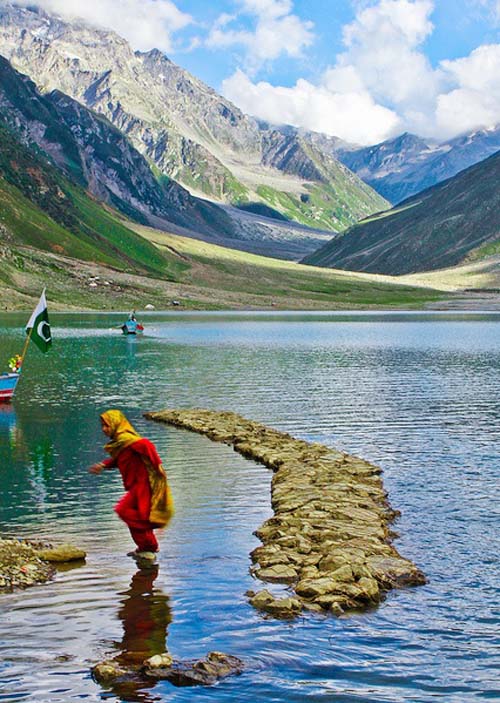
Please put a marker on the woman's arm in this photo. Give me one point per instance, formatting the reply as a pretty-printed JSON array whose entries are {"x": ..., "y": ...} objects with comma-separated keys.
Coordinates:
[{"x": 101, "y": 465}]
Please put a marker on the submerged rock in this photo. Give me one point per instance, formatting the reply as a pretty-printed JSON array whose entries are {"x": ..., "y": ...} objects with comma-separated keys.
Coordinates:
[
  {"x": 200, "y": 672},
  {"x": 329, "y": 538}
]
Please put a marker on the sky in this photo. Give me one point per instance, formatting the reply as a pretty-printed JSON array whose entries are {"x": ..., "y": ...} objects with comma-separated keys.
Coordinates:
[{"x": 361, "y": 70}]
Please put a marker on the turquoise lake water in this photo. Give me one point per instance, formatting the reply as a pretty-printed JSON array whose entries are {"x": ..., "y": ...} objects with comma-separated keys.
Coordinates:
[{"x": 417, "y": 394}]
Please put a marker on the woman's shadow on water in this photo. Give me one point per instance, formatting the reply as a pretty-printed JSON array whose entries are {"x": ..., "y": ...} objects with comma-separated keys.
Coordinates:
[{"x": 145, "y": 614}]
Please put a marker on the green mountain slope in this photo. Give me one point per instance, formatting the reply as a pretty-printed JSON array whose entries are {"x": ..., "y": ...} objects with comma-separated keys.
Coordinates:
[
  {"x": 43, "y": 209},
  {"x": 96, "y": 155},
  {"x": 446, "y": 225},
  {"x": 53, "y": 234}
]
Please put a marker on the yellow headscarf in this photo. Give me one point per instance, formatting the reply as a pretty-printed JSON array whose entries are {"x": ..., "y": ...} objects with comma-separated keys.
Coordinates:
[{"x": 122, "y": 432}]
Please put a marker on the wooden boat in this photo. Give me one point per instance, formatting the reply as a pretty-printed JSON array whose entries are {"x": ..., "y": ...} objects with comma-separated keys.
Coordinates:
[
  {"x": 132, "y": 327},
  {"x": 8, "y": 383},
  {"x": 38, "y": 331}
]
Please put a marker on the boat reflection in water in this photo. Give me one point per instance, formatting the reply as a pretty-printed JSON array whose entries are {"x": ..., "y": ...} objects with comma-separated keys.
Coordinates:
[{"x": 10, "y": 432}]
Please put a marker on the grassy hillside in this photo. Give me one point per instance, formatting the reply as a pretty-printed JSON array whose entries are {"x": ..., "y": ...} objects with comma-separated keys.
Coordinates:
[
  {"x": 449, "y": 224},
  {"x": 229, "y": 277},
  {"x": 42, "y": 209},
  {"x": 201, "y": 276}
]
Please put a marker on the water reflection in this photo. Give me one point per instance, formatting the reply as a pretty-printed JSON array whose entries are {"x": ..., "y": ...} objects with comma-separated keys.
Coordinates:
[
  {"x": 145, "y": 615},
  {"x": 28, "y": 446},
  {"x": 9, "y": 431},
  {"x": 41, "y": 463},
  {"x": 417, "y": 394}
]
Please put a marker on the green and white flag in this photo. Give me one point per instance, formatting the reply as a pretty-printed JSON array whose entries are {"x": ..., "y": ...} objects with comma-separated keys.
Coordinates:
[{"x": 39, "y": 325}]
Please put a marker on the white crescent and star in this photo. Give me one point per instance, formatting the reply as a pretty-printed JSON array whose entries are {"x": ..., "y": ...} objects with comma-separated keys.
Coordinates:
[{"x": 40, "y": 331}]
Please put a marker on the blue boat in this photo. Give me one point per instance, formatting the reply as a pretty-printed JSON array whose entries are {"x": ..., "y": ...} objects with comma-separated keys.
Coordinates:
[
  {"x": 37, "y": 330},
  {"x": 132, "y": 327},
  {"x": 8, "y": 383}
]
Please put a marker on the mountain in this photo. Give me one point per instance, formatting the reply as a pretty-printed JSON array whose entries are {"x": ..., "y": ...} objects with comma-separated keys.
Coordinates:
[
  {"x": 53, "y": 234},
  {"x": 42, "y": 209},
  {"x": 401, "y": 167},
  {"x": 454, "y": 222},
  {"x": 187, "y": 131},
  {"x": 94, "y": 154}
]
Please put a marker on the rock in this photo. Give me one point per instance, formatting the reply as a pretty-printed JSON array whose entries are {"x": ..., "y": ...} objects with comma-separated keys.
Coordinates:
[
  {"x": 343, "y": 573},
  {"x": 312, "y": 588},
  {"x": 149, "y": 306},
  {"x": 394, "y": 572},
  {"x": 279, "y": 607},
  {"x": 336, "y": 609},
  {"x": 61, "y": 554},
  {"x": 312, "y": 607},
  {"x": 202, "y": 672},
  {"x": 159, "y": 660},
  {"x": 284, "y": 607},
  {"x": 309, "y": 572},
  {"x": 260, "y": 599},
  {"x": 20, "y": 566},
  {"x": 108, "y": 671},
  {"x": 280, "y": 573},
  {"x": 369, "y": 589},
  {"x": 332, "y": 562}
]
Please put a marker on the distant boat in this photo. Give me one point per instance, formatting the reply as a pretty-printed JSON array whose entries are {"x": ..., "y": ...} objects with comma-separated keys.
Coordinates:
[{"x": 132, "y": 327}]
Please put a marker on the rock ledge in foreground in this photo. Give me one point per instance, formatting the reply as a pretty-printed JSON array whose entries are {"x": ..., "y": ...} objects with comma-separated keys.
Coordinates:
[{"x": 25, "y": 563}]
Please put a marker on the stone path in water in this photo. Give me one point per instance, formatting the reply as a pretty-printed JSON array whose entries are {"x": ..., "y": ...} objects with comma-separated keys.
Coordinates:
[{"x": 329, "y": 539}]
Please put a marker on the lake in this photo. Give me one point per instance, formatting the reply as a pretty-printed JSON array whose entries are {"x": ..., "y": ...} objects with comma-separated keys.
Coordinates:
[{"x": 416, "y": 393}]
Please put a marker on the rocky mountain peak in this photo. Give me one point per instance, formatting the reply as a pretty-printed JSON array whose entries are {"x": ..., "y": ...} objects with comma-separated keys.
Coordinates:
[{"x": 186, "y": 131}]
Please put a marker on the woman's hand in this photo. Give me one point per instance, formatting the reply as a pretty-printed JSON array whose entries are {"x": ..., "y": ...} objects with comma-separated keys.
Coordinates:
[{"x": 96, "y": 468}]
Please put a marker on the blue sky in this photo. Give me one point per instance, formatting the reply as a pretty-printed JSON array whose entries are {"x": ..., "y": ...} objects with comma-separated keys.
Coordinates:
[
  {"x": 362, "y": 70},
  {"x": 460, "y": 26}
]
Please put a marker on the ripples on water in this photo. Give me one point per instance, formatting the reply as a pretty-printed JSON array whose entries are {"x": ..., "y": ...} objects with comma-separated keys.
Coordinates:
[{"x": 417, "y": 394}]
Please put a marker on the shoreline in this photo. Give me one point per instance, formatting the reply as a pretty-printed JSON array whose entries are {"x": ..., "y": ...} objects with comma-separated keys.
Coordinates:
[
  {"x": 480, "y": 303},
  {"x": 28, "y": 562},
  {"x": 329, "y": 540}
]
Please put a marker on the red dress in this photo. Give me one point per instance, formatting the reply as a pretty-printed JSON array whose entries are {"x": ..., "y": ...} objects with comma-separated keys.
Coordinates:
[{"x": 135, "y": 506}]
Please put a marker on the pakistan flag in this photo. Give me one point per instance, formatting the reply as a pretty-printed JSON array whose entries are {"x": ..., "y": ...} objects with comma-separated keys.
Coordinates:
[{"x": 38, "y": 325}]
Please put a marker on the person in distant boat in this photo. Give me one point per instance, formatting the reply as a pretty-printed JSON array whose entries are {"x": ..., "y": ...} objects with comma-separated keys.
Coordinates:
[{"x": 147, "y": 504}]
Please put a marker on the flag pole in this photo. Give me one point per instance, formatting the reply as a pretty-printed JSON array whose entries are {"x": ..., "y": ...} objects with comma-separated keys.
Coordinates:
[{"x": 25, "y": 348}]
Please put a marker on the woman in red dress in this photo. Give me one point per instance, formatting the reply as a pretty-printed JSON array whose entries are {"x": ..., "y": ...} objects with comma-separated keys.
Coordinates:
[{"x": 147, "y": 504}]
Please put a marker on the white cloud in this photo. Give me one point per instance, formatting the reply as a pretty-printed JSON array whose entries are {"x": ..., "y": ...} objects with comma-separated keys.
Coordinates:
[
  {"x": 382, "y": 83},
  {"x": 475, "y": 99},
  {"x": 146, "y": 24},
  {"x": 276, "y": 32},
  {"x": 353, "y": 116},
  {"x": 382, "y": 47}
]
